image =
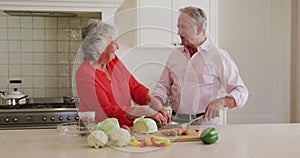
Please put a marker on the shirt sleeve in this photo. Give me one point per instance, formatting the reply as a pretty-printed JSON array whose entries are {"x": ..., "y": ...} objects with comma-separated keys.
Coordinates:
[
  {"x": 138, "y": 91},
  {"x": 232, "y": 82},
  {"x": 163, "y": 87},
  {"x": 112, "y": 109}
]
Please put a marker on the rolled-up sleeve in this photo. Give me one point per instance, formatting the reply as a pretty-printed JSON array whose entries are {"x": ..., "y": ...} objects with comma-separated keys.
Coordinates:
[
  {"x": 162, "y": 88},
  {"x": 232, "y": 81}
]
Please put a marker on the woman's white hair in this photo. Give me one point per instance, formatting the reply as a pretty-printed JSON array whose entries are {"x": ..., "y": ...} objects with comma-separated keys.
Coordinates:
[{"x": 96, "y": 38}]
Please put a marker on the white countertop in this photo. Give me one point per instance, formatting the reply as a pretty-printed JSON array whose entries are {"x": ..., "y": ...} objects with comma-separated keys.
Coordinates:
[{"x": 236, "y": 141}]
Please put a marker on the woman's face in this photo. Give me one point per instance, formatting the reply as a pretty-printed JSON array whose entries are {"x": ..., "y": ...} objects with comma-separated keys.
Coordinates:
[
  {"x": 109, "y": 52},
  {"x": 112, "y": 47}
]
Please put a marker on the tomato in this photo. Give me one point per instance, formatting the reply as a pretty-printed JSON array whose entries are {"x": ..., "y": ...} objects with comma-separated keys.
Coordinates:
[{"x": 209, "y": 135}]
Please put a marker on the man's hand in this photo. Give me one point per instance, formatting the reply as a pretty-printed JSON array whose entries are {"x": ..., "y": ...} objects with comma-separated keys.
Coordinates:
[
  {"x": 154, "y": 103},
  {"x": 159, "y": 118},
  {"x": 213, "y": 109}
]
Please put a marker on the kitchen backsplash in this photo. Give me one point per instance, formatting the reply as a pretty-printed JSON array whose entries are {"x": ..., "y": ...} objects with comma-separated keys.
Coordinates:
[{"x": 40, "y": 51}]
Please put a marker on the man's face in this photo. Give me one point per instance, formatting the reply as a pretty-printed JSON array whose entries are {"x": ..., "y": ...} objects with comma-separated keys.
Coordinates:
[{"x": 187, "y": 31}]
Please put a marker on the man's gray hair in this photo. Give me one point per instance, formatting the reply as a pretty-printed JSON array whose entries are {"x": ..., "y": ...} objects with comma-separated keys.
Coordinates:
[
  {"x": 96, "y": 37},
  {"x": 198, "y": 16}
]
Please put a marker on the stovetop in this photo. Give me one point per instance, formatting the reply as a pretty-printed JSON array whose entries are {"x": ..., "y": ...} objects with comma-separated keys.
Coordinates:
[{"x": 39, "y": 106}]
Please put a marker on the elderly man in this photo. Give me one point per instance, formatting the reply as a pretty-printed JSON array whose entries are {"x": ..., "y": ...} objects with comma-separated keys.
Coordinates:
[{"x": 197, "y": 72}]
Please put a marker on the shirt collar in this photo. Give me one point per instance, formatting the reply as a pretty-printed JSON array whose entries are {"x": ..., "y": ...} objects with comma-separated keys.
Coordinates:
[{"x": 204, "y": 45}]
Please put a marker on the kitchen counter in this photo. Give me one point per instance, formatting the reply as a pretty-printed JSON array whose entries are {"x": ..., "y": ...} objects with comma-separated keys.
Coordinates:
[{"x": 236, "y": 141}]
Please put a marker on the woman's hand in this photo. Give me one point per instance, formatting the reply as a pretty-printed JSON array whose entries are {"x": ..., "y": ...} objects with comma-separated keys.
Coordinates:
[
  {"x": 148, "y": 112},
  {"x": 165, "y": 113},
  {"x": 156, "y": 105}
]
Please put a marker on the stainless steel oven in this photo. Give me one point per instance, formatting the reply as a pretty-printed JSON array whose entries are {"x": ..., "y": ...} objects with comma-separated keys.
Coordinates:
[{"x": 46, "y": 113}]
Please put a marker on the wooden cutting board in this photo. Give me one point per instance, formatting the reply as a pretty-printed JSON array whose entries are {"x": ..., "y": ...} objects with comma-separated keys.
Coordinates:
[
  {"x": 187, "y": 138},
  {"x": 193, "y": 136}
]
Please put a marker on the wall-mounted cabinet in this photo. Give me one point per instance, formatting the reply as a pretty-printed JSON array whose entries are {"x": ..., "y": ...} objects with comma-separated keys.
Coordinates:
[
  {"x": 107, "y": 7},
  {"x": 155, "y": 22},
  {"x": 145, "y": 23}
]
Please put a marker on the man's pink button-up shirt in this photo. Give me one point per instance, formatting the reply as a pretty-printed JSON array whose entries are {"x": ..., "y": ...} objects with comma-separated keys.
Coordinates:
[{"x": 193, "y": 82}]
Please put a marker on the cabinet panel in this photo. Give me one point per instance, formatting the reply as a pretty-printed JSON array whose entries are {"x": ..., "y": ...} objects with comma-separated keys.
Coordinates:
[
  {"x": 126, "y": 21},
  {"x": 107, "y": 6},
  {"x": 155, "y": 22}
]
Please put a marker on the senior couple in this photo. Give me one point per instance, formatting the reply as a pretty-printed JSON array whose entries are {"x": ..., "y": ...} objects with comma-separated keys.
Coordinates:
[{"x": 191, "y": 81}]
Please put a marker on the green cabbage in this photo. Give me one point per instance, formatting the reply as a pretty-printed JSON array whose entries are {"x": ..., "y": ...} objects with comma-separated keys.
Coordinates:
[
  {"x": 119, "y": 137},
  {"x": 107, "y": 124},
  {"x": 97, "y": 139},
  {"x": 145, "y": 125}
]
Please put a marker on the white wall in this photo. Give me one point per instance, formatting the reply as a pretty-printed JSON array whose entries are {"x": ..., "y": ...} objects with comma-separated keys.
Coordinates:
[{"x": 257, "y": 34}]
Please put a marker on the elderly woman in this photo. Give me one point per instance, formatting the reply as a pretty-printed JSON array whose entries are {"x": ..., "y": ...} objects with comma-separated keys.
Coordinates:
[{"x": 105, "y": 86}]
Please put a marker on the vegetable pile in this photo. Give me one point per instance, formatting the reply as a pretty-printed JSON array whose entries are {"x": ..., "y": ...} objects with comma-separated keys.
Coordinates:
[{"x": 109, "y": 130}]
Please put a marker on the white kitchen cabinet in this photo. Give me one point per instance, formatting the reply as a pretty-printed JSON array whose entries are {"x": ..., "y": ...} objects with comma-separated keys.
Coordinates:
[
  {"x": 156, "y": 21},
  {"x": 144, "y": 23},
  {"x": 106, "y": 7}
]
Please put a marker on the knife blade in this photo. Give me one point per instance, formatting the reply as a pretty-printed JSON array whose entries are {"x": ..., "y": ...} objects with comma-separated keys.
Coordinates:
[{"x": 187, "y": 125}]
